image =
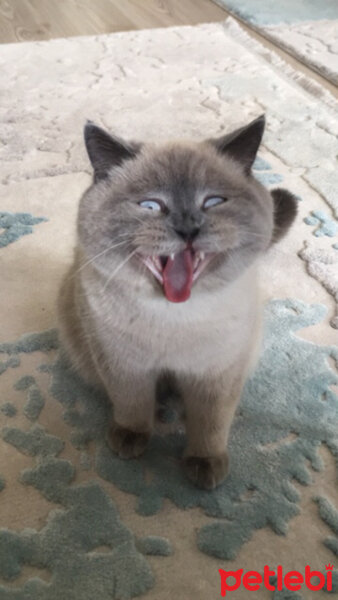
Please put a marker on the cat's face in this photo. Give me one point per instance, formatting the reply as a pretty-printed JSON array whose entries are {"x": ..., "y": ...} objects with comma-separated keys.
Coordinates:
[{"x": 188, "y": 216}]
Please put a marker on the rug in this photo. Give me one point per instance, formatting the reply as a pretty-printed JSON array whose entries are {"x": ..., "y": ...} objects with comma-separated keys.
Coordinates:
[
  {"x": 308, "y": 29},
  {"x": 76, "y": 522}
]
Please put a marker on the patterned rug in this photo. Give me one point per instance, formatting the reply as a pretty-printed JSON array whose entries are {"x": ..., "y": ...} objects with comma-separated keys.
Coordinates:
[
  {"x": 76, "y": 522},
  {"x": 308, "y": 29}
]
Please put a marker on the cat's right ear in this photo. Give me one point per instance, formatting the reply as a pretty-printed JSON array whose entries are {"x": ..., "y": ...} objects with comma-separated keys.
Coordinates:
[
  {"x": 242, "y": 144},
  {"x": 105, "y": 151}
]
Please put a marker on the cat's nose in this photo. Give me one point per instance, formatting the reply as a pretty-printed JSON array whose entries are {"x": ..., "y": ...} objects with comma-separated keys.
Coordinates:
[{"x": 188, "y": 234}]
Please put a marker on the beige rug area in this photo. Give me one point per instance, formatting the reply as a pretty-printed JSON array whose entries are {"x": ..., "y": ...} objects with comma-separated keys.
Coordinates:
[
  {"x": 315, "y": 43},
  {"x": 307, "y": 29},
  {"x": 76, "y": 522}
]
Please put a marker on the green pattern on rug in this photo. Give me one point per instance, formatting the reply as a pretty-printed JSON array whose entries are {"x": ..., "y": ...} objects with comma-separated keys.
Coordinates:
[
  {"x": 12, "y": 362},
  {"x": 323, "y": 223},
  {"x": 69, "y": 545},
  {"x": 260, "y": 165},
  {"x": 287, "y": 411},
  {"x": 330, "y": 515},
  {"x": 8, "y": 409},
  {"x": 16, "y": 225}
]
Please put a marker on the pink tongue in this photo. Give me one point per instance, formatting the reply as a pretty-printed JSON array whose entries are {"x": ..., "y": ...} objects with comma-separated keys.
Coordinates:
[{"x": 178, "y": 275}]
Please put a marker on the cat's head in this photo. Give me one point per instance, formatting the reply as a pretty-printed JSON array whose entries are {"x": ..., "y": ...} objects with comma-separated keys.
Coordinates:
[{"x": 182, "y": 215}]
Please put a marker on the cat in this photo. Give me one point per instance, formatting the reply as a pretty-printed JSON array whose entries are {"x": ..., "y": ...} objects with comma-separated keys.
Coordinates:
[{"x": 164, "y": 284}]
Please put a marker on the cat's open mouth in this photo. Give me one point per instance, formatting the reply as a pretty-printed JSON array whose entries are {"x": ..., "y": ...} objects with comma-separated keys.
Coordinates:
[{"x": 177, "y": 272}]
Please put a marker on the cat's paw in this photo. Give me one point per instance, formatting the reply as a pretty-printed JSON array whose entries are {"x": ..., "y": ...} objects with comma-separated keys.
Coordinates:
[
  {"x": 127, "y": 443},
  {"x": 207, "y": 472}
]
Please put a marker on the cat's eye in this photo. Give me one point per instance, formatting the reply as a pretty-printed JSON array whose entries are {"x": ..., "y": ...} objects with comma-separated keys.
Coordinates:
[
  {"x": 213, "y": 201},
  {"x": 153, "y": 205}
]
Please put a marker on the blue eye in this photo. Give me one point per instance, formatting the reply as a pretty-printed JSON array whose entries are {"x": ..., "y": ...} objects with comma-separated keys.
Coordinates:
[
  {"x": 213, "y": 201},
  {"x": 151, "y": 204}
]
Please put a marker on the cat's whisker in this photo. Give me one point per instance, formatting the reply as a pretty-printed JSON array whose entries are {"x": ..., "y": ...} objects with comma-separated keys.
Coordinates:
[
  {"x": 118, "y": 269},
  {"x": 253, "y": 234},
  {"x": 142, "y": 269},
  {"x": 228, "y": 255},
  {"x": 142, "y": 221},
  {"x": 91, "y": 260}
]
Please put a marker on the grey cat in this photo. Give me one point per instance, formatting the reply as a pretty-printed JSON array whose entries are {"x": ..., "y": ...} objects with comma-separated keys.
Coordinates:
[{"x": 163, "y": 290}]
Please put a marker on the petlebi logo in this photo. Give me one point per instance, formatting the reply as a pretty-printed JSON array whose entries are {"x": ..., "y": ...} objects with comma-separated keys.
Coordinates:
[{"x": 290, "y": 580}]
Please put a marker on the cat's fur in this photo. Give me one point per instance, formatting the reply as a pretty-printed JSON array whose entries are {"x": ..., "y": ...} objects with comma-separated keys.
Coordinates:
[{"x": 116, "y": 323}]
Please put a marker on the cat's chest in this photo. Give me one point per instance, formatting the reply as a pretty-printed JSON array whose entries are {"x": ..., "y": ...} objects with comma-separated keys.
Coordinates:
[
  {"x": 200, "y": 334},
  {"x": 197, "y": 346},
  {"x": 211, "y": 341}
]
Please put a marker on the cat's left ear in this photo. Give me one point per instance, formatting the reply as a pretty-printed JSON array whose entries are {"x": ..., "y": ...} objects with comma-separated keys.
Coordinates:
[
  {"x": 105, "y": 151},
  {"x": 242, "y": 144}
]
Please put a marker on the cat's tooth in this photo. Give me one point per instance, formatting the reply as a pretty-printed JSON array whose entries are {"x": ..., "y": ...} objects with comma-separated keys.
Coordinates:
[
  {"x": 172, "y": 256},
  {"x": 157, "y": 262},
  {"x": 202, "y": 255}
]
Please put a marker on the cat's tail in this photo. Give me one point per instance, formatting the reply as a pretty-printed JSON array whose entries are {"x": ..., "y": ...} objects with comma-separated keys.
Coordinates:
[{"x": 285, "y": 211}]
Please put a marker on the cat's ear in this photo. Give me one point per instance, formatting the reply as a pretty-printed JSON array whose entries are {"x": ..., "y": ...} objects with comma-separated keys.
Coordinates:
[
  {"x": 105, "y": 151},
  {"x": 242, "y": 144},
  {"x": 285, "y": 211}
]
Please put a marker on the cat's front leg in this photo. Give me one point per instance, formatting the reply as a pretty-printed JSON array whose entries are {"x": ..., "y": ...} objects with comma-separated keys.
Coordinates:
[
  {"x": 133, "y": 398},
  {"x": 210, "y": 405}
]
